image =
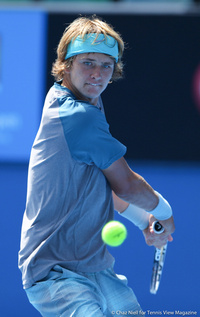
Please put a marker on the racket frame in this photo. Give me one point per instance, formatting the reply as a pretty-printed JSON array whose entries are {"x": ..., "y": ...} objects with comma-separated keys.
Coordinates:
[{"x": 158, "y": 263}]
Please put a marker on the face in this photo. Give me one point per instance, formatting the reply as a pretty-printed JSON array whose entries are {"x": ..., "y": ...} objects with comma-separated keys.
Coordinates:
[{"x": 90, "y": 74}]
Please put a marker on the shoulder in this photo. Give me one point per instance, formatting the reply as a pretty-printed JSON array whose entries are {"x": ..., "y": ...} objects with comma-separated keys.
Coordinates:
[{"x": 81, "y": 114}]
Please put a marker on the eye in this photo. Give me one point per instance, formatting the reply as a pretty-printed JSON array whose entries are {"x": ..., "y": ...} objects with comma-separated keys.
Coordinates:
[
  {"x": 87, "y": 63},
  {"x": 107, "y": 66}
]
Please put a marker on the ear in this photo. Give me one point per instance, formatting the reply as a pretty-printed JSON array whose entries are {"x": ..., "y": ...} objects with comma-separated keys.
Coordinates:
[
  {"x": 68, "y": 66},
  {"x": 67, "y": 70}
]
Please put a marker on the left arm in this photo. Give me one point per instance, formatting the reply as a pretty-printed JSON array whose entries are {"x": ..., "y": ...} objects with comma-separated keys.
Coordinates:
[
  {"x": 119, "y": 204},
  {"x": 151, "y": 238}
]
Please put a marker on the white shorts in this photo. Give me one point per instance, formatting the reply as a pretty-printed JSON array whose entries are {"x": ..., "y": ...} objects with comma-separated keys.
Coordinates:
[{"x": 66, "y": 293}]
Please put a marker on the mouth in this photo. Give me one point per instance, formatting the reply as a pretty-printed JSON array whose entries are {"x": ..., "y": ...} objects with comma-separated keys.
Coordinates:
[{"x": 94, "y": 85}]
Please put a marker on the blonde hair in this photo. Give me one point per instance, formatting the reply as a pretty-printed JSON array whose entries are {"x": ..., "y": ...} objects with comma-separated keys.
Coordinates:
[{"x": 82, "y": 26}]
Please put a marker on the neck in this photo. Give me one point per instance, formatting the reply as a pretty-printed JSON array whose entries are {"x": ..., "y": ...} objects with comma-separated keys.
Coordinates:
[{"x": 68, "y": 84}]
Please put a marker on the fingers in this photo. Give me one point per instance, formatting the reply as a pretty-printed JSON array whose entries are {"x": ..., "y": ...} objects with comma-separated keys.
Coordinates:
[
  {"x": 159, "y": 240},
  {"x": 153, "y": 239},
  {"x": 168, "y": 225},
  {"x": 170, "y": 238}
]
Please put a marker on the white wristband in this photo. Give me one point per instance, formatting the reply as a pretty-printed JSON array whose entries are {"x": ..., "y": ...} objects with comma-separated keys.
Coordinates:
[
  {"x": 163, "y": 210},
  {"x": 137, "y": 215}
]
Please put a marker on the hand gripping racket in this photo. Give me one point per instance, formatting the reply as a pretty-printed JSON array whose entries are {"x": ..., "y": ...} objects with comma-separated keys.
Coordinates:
[{"x": 158, "y": 263}]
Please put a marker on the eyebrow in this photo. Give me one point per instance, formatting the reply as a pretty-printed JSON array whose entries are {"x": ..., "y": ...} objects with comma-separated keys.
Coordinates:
[{"x": 94, "y": 60}]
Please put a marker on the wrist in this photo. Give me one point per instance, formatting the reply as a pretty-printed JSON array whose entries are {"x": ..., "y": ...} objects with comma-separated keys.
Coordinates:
[
  {"x": 163, "y": 210},
  {"x": 138, "y": 216}
]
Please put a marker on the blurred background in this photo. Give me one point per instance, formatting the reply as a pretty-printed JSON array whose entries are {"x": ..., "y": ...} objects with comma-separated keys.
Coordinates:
[{"x": 154, "y": 111}]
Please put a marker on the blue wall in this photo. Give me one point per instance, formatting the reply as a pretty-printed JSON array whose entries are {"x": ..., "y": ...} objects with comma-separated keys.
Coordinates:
[
  {"x": 179, "y": 288},
  {"x": 22, "y": 80}
]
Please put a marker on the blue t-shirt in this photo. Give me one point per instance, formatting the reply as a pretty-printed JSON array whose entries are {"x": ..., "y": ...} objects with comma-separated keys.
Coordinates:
[{"x": 68, "y": 197}]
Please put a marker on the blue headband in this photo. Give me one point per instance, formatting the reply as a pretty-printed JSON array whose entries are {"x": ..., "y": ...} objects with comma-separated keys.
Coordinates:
[{"x": 93, "y": 44}]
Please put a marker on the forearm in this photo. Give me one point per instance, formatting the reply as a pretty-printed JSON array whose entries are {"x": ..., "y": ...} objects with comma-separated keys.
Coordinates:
[
  {"x": 139, "y": 216},
  {"x": 119, "y": 204},
  {"x": 133, "y": 189},
  {"x": 136, "y": 200},
  {"x": 139, "y": 193}
]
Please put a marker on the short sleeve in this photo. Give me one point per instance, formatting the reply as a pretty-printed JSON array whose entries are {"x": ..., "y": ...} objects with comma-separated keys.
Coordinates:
[{"x": 88, "y": 137}]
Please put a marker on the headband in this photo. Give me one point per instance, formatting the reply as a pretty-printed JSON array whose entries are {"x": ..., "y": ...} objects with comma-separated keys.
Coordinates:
[{"x": 91, "y": 43}]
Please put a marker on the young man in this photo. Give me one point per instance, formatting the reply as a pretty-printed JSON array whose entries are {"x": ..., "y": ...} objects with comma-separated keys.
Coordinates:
[{"x": 77, "y": 176}]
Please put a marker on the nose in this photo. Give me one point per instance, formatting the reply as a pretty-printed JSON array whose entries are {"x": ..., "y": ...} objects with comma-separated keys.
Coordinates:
[{"x": 96, "y": 73}]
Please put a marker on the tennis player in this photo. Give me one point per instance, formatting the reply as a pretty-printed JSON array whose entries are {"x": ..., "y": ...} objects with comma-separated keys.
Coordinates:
[{"x": 77, "y": 176}]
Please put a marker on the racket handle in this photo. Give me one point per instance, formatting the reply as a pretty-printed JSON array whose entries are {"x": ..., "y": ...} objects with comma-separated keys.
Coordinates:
[{"x": 157, "y": 227}]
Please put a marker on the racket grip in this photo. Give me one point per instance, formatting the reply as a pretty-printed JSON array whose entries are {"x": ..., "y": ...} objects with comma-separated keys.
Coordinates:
[{"x": 157, "y": 227}]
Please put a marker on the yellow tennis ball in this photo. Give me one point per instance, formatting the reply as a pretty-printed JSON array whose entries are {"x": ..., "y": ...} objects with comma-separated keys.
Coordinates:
[{"x": 114, "y": 233}]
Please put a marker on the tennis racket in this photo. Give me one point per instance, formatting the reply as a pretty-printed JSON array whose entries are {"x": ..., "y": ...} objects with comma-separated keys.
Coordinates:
[{"x": 158, "y": 263}]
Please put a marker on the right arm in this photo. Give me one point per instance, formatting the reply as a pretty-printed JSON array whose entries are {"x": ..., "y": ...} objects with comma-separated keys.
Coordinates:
[{"x": 130, "y": 188}]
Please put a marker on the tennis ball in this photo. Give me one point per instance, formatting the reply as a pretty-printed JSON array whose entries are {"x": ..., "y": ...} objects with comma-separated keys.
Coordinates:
[{"x": 114, "y": 233}]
